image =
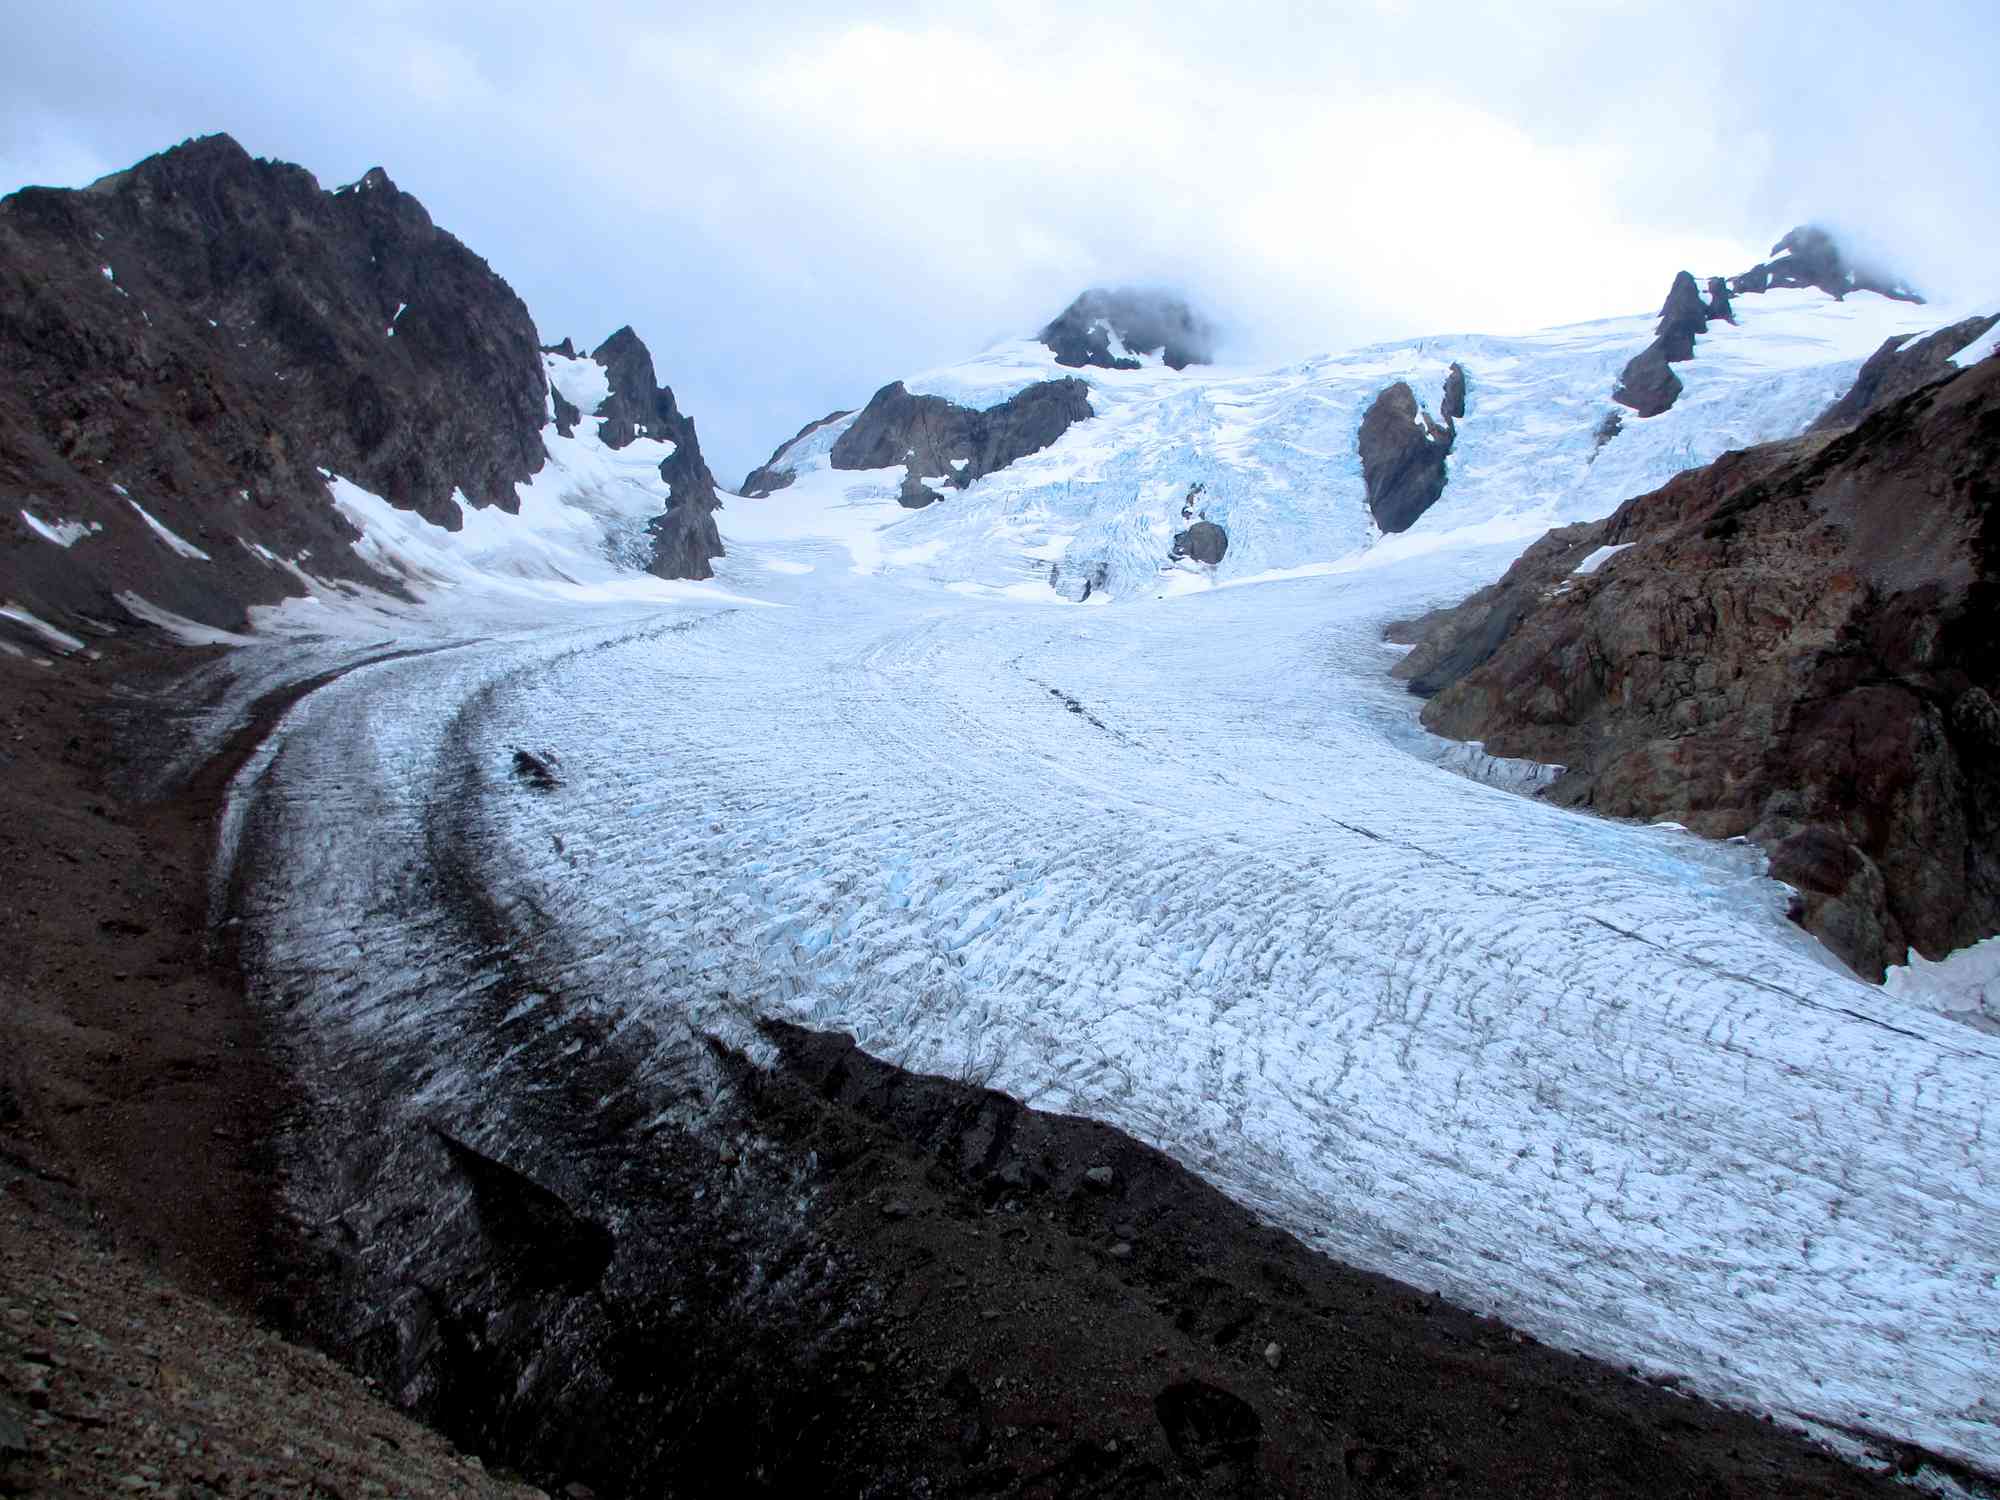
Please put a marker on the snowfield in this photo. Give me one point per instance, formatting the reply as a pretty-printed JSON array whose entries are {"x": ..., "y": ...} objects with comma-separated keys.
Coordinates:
[{"x": 1186, "y": 865}]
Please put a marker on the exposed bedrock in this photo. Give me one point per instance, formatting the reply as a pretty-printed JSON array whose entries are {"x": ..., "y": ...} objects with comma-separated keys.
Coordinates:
[
  {"x": 768, "y": 478},
  {"x": 1451, "y": 406},
  {"x": 1810, "y": 256},
  {"x": 208, "y": 332},
  {"x": 1137, "y": 321},
  {"x": 939, "y": 440},
  {"x": 1801, "y": 645},
  {"x": 1807, "y": 257},
  {"x": 1403, "y": 453},
  {"x": 684, "y": 536},
  {"x": 1204, "y": 541},
  {"x": 1899, "y": 367},
  {"x": 1648, "y": 384}
]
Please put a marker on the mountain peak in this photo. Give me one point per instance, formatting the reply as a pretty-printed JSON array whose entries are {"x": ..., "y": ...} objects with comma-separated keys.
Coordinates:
[
  {"x": 1809, "y": 255},
  {"x": 1109, "y": 327}
]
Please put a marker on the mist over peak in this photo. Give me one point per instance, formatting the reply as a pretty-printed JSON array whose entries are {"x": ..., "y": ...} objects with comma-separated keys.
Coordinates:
[{"x": 1109, "y": 327}]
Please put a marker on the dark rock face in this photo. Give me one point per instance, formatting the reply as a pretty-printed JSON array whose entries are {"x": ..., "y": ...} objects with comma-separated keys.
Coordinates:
[
  {"x": 1452, "y": 405},
  {"x": 773, "y": 476},
  {"x": 1810, "y": 256},
  {"x": 934, "y": 437},
  {"x": 1649, "y": 385},
  {"x": 566, "y": 414},
  {"x": 1145, "y": 322},
  {"x": 1898, "y": 368},
  {"x": 1803, "y": 647},
  {"x": 1403, "y": 456},
  {"x": 915, "y": 494},
  {"x": 1807, "y": 257},
  {"x": 1204, "y": 541},
  {"x": 684, "y": 536},
  {"x": 205, "y": 326}
]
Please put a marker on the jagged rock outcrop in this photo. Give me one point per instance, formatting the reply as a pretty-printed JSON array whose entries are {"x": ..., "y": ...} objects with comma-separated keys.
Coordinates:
[
  {"x": 200, "y": 336},
  {"x": 1802, "y": 645},
  {"x": 208, "y": 331},
  {"x": 768, "y": 478},
  {"x": 1204, "y": 541},
  {"x": 1899, "y": 367},
  {"x": 1807, "y": 257},
  {"x": 1810, "y": 256},
  {"x": 1138, "y": 321},
  {"x": 1451, "y": 406},
  {"x": 1648, "y": 384},
  {"x": 937, "y": 439},
  {"x": 684, "y": 536},
  {"x": 1403, "y": 454}
]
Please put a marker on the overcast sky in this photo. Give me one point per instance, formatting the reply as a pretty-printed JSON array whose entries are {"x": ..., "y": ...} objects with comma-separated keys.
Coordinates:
[{"x": 800, "y": 204}]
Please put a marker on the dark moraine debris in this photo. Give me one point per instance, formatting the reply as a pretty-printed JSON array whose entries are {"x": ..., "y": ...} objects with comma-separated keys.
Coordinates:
[
  {"x": 536, "y": 771},
  {"x": 535, "y": 1235},
  {"x": 1208, "y": 1427},
  {"x": 1403, "y": 456},
  {"x": 1143, "y": 321}
]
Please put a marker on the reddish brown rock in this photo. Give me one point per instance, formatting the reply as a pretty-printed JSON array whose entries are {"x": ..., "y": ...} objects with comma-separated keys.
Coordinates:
[
  {"x": 1802, "y": 645},
  {"x": 1648, "y": 384},
  {"x": 1900, "y": 366}
]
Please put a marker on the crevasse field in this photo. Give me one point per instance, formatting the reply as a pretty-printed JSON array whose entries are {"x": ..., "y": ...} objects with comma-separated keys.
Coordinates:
[{"x": 1179, "y": 859}]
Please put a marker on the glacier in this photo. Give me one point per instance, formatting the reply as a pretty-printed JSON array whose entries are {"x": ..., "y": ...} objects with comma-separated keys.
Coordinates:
[{"x": 1181, "y": 860}]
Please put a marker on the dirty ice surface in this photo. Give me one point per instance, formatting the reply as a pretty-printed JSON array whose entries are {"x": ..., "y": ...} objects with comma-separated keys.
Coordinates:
[{"x": 1186, "y": 865}]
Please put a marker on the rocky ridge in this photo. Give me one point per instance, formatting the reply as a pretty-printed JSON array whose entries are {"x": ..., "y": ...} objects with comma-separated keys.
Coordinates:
[
  {"x": 1799, "y": 646},
  {"x": 938, "y": 439},
  {"x": 190, "y": 345},
  {"x": 684, "y": 537},
  {"x": 1808, "y": 256}
]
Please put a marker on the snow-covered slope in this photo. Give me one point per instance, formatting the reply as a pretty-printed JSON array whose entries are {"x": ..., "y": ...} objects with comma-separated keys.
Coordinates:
[
  {"x": 1276, "y": 450},
  {"x": 580, "y": 536},
  {"x": 1185, "y": 867}
]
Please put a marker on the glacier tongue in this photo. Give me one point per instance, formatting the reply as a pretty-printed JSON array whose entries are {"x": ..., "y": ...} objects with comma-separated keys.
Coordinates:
[
  {"x": 1189, "y": 868},
  {"x": 1177, "y": 868}
]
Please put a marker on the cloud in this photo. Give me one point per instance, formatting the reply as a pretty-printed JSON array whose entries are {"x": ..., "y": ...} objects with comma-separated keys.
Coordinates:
[{"x": 797, "y": 204}]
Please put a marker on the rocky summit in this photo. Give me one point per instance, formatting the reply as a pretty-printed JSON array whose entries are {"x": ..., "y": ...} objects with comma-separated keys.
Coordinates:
[
  {"x": 192, "y": 346},
  {"x": 1112, "y": 328}
]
